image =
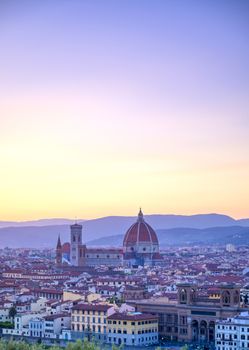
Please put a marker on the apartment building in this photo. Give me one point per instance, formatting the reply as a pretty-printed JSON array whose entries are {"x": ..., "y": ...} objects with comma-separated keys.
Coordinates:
[
  {"x": 90, "y": 320},
  {"x": 233, "y": 333},
  {"x": 132, "y": 328}
]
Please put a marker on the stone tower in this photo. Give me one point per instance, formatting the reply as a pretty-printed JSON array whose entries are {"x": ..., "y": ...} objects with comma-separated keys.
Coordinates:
[{"x": 76, "y": 242}]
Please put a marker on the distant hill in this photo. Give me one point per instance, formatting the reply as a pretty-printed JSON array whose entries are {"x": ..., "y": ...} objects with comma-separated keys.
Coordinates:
[
  {"x": 213, "y": 235},
  {"x": 41, "y": 222},
  {"x": 44, "y": 233},
  {"x": 243, "y": 222},
  {"x": 33, "y": 236},
  {"x": 187, "y": 236}
]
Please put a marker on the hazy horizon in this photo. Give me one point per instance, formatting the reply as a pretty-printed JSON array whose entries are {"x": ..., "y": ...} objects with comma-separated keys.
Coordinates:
[
  {"x": 118, "y": 215},
  {"x": 109, "y": 106}
]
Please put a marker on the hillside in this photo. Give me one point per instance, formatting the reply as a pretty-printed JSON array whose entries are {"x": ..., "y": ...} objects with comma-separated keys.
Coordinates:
[
  {"x": 186, "y": 236},
  {"x": 172, "y": 229}
]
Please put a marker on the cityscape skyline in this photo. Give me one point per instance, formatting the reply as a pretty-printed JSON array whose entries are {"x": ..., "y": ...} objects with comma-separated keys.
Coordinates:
[
  {"x": 124, "y": 167},
  {"x": 107, "y": 107}
]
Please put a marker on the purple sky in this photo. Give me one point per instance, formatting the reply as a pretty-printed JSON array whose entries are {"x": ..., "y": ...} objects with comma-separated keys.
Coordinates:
[{"x": 106, "y": 106}]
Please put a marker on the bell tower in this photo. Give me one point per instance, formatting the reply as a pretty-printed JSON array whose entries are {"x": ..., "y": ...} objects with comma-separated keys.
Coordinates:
[
  {"x": 59, "y": 252},
  {"x": 76, "y": 242}
]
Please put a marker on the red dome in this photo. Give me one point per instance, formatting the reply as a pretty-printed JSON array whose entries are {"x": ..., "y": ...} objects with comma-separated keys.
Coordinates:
[{"x": 140, "y": 232}]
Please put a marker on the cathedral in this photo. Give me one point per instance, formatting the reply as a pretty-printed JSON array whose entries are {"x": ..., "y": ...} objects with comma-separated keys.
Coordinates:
[
  {"x": 140, "y": 244},
  {"x": 140, "y": 247}
]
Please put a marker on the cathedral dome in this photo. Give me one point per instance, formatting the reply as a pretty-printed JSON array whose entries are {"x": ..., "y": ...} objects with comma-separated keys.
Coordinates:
[{"x": 140, "y": 237}]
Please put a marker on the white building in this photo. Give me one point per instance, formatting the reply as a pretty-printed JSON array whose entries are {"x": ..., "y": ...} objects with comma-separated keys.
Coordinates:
[
  {"x": 232, "y": 333},
  {"x": 4, "y": 314},
  {"x": 55, "y": 324},
  {"x": 39, "y": 325},
  {"x": 21, "y": 325},
  {"x": 36, "y": 327},
  {"x": 49, "y": 326},
  {"x": 230, "y": 248},
  {"x": 38, "y": 305}
]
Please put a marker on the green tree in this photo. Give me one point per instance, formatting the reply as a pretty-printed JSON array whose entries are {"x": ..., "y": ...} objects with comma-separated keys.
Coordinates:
[
  {"x": 6, "y": 324},
  {"x": 78, "y": 345},
  {"x": 185, "y": 347}
]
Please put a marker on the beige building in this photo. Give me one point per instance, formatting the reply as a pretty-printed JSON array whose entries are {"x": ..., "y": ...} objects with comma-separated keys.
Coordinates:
[
  {"x": 91, "y": 320},
  {"x": 192, "y": 317},
  {"x": 132, "y": 328},
  {"x": 89, "y": 297}
]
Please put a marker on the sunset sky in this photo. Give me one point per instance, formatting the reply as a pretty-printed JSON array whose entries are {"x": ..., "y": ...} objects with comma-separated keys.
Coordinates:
[{"x": 106, "y": 106}]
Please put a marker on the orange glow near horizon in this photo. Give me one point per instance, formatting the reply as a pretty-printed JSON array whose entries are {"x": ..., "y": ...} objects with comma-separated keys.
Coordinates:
[{"x": 64, "y": 166}]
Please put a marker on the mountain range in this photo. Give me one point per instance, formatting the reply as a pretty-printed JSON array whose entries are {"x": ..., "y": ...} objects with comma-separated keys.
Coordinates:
[
  {"x": 109, "y": 231},
  {"x": 188, "y": 236}
]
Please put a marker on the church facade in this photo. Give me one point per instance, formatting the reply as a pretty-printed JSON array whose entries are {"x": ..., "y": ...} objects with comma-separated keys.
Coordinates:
[{"x": 140, "y": 247}]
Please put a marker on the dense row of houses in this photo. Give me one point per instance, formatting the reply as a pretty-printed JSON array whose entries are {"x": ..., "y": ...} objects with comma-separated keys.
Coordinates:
[
  {"x": 68, "y": 321},
  {"x": 183, "y": 300},
  {"x": 218, "y": 317}
]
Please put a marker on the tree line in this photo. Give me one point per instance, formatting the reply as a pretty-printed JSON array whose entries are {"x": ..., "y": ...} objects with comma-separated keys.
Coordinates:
[{"x": 78, "y": 345}]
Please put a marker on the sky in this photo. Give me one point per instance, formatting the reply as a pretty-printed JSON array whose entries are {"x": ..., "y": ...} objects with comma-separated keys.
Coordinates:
[{"x": 106, "y": 106}]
